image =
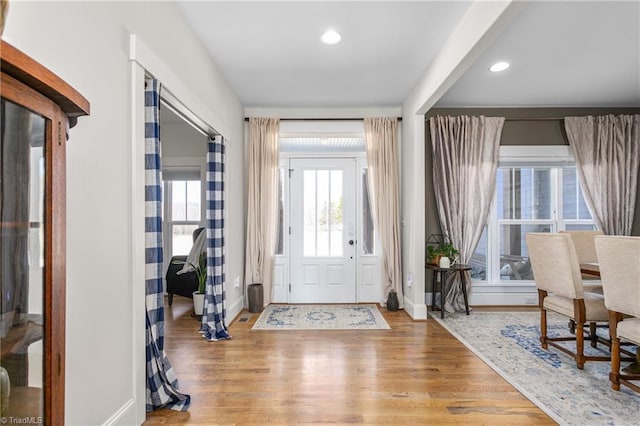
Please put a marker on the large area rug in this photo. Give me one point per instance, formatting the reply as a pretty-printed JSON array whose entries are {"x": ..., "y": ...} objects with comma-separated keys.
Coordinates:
[
  {"x": 508, "y": 343},
  {"x": 320, "y": 317}
]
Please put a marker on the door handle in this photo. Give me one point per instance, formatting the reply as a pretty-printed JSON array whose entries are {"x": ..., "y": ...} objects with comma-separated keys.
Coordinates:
[{"x": 351, "y": 242}]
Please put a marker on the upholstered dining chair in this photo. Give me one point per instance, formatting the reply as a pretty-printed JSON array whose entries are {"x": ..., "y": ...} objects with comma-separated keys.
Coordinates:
[
  {"x": 619, "y": 261},
  {"x": 556, "y": 272},
  {"x": 585, "y": 245}
]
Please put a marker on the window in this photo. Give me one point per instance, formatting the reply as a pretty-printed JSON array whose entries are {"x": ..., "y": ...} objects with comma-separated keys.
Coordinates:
[
  {"x": 183, "y": 213},
  {"x": 280, "y": 230},
  {"x": 368, "y": 232},
  {"x": 528, "y": 199}
]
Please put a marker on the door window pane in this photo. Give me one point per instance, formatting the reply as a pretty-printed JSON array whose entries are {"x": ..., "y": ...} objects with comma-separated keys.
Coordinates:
[{"x": 323, "y": 221}]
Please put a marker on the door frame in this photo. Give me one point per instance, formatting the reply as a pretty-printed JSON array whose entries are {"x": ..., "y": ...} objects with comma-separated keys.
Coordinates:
[{"x": 368, "y": 266}]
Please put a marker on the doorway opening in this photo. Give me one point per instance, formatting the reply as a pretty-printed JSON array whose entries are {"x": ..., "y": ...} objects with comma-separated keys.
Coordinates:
[{"x": 327, "y": 250}]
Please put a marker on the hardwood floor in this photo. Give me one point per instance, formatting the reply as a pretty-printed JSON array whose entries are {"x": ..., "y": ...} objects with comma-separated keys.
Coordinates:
[{"x": 415, "y": 373}]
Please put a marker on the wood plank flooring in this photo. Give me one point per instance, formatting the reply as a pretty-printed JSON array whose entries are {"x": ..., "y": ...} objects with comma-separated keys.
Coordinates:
[{"x": 415, "y": 373}]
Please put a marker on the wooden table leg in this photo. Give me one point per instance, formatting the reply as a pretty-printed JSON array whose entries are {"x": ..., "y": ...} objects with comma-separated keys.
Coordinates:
[
  {"x": 442, "y": 287},
  {"x": 464, "y": 290},
  {"x": 433, "y": 292}
]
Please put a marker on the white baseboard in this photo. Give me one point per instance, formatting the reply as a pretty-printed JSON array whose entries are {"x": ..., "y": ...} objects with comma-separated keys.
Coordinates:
[
  {"x": 126, "y": 415},
  {"x": 417, "y": 311},
  {"x": 499, "y": 299},
  {"x": 233, "y": 310}
]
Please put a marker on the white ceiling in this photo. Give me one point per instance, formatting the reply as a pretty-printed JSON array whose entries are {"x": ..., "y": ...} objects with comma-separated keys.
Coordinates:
[
  {"x": 582, "y": 53},
  {"x": 271, "y": 52},
  {"x": 575, "y": 53}
]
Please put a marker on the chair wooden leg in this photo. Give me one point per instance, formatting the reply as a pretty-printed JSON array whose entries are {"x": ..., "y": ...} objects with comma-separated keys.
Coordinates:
[
  {"x": 614, "y": 375},
  {"x": 543, "y": 329},
  {"x": 543, "y": 318},
  {"x": 580, "y": 345},
  {"x": 592, "y": 334}
]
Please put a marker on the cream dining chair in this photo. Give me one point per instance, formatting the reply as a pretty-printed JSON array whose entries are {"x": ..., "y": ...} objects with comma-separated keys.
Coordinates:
[
  {"x": 585, "y": 244},
  {"x": 619, "y": 261},
  {"x": 556, "y": 271}
]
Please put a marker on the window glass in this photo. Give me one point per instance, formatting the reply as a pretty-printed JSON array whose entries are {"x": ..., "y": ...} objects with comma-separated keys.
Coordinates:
[
  {"x": 368, "y": 233},
  {"x": 523, "y": 193},
  {"x": 528, "y": 199},
  {"x": 573, "y": 204},
  {"x": 182, "y": 239},
  {"x": 514, "y": 257},
  {"x": 479, "y": 260},
  {"x": 323, "y": 221},
  {"x": 280, "y": 243},
  {"x": 184, "y": 214}
]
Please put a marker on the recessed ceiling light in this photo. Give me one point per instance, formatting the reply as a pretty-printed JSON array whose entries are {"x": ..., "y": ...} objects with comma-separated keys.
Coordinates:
[
  {"x": 499, "y": 66},
  {"x": 331, "y": 37}
]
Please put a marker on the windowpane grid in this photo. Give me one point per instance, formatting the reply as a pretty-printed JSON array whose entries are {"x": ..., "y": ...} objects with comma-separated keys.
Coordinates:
[
  {"x": 323, "y": 219},
  {"x": 184, "y": 214}
]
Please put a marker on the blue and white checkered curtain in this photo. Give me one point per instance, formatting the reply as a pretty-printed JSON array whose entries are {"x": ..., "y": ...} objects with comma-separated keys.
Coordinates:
[
  {"x": 162, "y": 384},
  {"x": 213, "y": 326}
]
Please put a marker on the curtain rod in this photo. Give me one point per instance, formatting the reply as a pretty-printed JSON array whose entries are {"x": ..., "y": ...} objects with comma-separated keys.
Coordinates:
[
  {"x": 527, "y": 118},
  {"x": 534, "y": 119},
  {"x": 179, "y": 109},
  {"x": 323, "y": 119}
]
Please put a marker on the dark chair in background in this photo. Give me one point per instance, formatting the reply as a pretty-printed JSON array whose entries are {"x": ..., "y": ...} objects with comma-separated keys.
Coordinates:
[{"x": 182, "y": 284}]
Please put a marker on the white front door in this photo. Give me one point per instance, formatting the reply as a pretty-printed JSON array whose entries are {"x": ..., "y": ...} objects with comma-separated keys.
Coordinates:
[{"x": 323, "y": 230}]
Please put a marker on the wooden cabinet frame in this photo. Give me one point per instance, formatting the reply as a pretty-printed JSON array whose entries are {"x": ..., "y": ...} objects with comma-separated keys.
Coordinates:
[{"x": 32, "y": 86}]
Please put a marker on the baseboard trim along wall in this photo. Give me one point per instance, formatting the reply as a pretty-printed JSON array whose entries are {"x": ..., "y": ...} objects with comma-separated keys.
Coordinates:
[{"x": 126, "y": 415}]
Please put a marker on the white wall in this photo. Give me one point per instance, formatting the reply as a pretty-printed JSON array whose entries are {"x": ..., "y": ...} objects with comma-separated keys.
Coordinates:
[{"x": 86, "y": 44}]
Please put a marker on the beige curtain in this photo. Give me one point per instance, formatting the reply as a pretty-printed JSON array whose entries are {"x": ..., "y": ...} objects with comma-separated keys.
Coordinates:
[
  {"x": 382, "y": 158},
  {"x": 262, "y": 203},
  {"x": 607, "y": 153},
  {"x": 465, "y": 159}
]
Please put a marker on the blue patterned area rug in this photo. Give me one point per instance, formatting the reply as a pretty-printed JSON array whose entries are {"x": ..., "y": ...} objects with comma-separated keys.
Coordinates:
[
  {"x": 508, "y": 343},
  {"x": 320, "y": 317}
]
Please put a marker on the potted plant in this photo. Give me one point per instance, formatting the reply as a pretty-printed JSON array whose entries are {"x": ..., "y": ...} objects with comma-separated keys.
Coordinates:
[
  {"x": 435, "y": 252},
  {"x": 201, "y": 273}
]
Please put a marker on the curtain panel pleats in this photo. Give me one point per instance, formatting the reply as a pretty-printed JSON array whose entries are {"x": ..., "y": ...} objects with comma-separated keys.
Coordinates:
[
  {"x": 382, "y": 162},
  {"x": 213, "y": 326},
  {"x": 465, "y": 162},
  {"x": 162, "y": 383},
  {"x": 262, "y": 204},
  {"x": 607, "y": 153}
]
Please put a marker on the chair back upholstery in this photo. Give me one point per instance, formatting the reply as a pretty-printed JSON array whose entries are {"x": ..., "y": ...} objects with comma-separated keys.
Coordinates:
[
  {"x": 555, "y": 264},
  {"x": 585, "y": 245},
  {"x": 619, "y": 261},
  {"x": 196, "y": 233}
]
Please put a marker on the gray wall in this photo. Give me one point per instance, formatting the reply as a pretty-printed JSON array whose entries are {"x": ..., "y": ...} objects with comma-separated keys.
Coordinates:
[{"x": 532, "y": 131}]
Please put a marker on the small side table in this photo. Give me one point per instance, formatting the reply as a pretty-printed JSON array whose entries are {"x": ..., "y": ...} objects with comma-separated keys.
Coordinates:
[{"x": 461, "y": 268}]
